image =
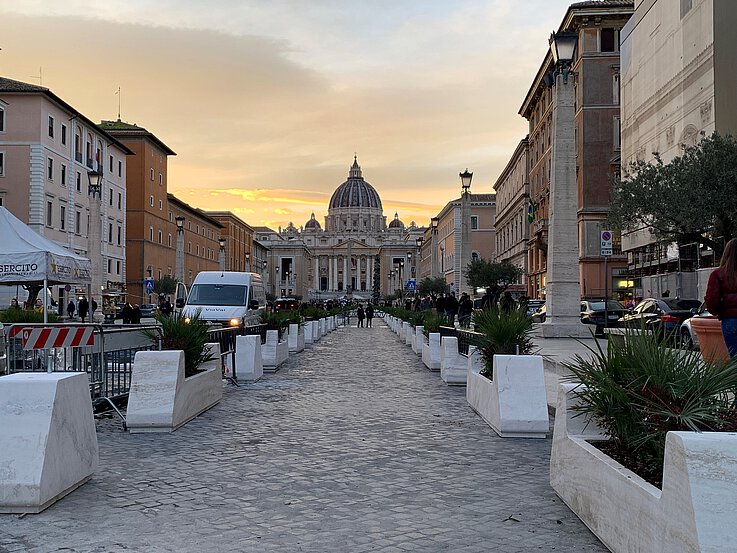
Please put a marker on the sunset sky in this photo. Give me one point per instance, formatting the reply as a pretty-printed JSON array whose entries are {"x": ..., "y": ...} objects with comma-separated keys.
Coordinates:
[{"x": 266, "y": 102}]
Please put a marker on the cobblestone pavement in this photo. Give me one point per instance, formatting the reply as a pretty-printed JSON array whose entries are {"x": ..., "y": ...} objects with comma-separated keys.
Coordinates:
[{"x": 354, "y": 447}]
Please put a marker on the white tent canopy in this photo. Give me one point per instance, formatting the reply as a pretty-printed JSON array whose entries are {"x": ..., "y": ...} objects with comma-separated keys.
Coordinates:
[{"x": 26, "y": 256}]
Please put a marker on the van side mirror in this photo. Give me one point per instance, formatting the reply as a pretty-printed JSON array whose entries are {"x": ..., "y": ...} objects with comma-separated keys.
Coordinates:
[
  {"x": 179, "y": 303},
  {"x": 253, "y": 304}
]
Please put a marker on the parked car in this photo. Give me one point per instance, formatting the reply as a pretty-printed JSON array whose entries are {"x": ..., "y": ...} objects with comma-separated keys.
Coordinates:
[
  {"x": 539, "y": 315},
  {"x": 285, "y": 304},
  {"x": 149, "y": 309},
  {"x": 594, "y": 312},
  {"x": 687, "y": 334},
  {"x": 533, "y": 306},
  {"x": 663, "y": 316}
]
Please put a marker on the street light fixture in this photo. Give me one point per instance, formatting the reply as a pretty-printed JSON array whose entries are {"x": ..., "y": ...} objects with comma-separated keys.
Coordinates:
[
  {"x": 95, "y": 238},
  {"x": 248, "y": 262},
  {"x": 179, "y": 220},
  {"x": 465, "y": 180},
  {"x": 466, "y": 177},
  {"x": 563, "y": 47},
  {"x": 221, "y": 242}
]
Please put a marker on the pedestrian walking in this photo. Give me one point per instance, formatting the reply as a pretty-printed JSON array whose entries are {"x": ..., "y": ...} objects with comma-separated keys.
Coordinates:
[
  {"x": 465, "y": 308},
  {"x": 94, "y": 308},
  {"x": 451, "y": 307},
  {"x": 71, "y": 308},
  {"x": 83, "y": 308},
  {"x": 507, "y": 303},
  {"x": 721, "y": 295},
  {"x": 127, "y": 313},
  {"x": 136, "y": 315},
  {"x": 360, "y": 315},
  {"x": 369, "y": 315}
]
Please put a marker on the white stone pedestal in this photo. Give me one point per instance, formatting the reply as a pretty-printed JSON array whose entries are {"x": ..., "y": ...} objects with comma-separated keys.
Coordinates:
[
  {"x": 431, "y": 351},
  {"x": 48, "y": 444},
  {"x": 296, "y": 338},
  {"x": 418, "y": 340},
  {"x": 274, "y": 353},
  {"x": 309, "y": 340},
  {"x": 161, "y": 399},
  {"x": 409, "y": 331},
  {"x": 248, "y": 361},
  {"x": 453, "y": 365},
  {"x": 514, "y": 402}
]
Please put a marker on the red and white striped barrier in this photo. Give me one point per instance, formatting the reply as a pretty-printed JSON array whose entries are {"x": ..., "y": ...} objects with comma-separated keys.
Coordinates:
[{"x": 46, "y": 338}]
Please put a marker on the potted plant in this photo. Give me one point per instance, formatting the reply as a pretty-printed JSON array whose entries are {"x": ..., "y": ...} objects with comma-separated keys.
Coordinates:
[
  {"x": 645, "y": 440},
  {"x": 508, "y": 391},
  {"x": 172, "y": 386}
]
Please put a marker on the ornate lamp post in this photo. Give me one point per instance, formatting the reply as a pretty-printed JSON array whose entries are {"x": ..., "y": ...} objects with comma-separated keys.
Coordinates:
[
  {"x": 221, "y": 242},
  {"x": 179, "y": 220},
  {"x": 465, "y": 245},
  {"x": 562, "y": 290},
  {"x": 434, "y": 253},
  {"x": 248, "y": 262},
  {"x": 95, "y": 239}
]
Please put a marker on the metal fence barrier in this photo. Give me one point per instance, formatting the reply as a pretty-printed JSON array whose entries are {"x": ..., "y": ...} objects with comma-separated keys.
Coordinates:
[
  {"x": 465, "y": 337},
  {"x": 259, "y": 329},
  {"x": 226, "y": 337},
  {"x": 106, "y": 355}
]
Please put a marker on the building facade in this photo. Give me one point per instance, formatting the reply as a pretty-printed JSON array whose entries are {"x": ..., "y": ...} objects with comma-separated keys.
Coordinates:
[
  {"x": 47, "y": 149},
  {"x": 149, "y": 230},
  {"x": 238, "y": 235},
  {"x": 678, "y": 84},
  {"x": 355, "y": 250},
  {"x": 596, "y": 74},
  {"x": 513, "y": 213}
]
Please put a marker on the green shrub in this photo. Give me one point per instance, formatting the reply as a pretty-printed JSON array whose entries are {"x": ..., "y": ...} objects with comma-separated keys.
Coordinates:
[
  {"x": 190, "y": 337},
  {"x": 503, "y": 333},
  {"x": 639, "y": 390},
  {"x": 432, "y": 323},
  {"x": 12, "y": 316}
]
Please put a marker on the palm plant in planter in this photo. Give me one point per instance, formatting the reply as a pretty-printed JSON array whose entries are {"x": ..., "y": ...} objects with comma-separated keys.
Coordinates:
[
  {"x": 502, "y": 333},
  {"x": 638, "y": 390},
  {"x": 179, "y": 334},
  {"x": 432, "y": 323}
]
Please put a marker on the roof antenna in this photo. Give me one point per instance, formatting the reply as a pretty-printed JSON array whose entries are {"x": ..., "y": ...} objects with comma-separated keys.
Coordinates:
[{"x": 118, "y": 94}]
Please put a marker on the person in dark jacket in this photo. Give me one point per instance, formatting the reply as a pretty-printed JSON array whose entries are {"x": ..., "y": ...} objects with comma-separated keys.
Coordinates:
[
  {"x": 360, "y": 316},
  {"x": 83, "y": 308},
  {"x": 71, "y": 308},
  {"x": 369, "y": 315},
  {"x": 127, "y": 313},
  {"x": 440, "y": 305},
  {"x": 451, "y": 307},
  {"x": 136, "y": 315},
  {"x": 721, "y": 295},
  {"x": 465, "y": 308}
]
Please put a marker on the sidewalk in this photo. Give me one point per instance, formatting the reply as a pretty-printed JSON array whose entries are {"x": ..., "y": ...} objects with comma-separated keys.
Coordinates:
[{"x": 353, "y": 448}]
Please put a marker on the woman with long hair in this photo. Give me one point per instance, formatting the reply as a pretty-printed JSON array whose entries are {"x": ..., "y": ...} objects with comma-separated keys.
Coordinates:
[{"x": 721, "y": 295}]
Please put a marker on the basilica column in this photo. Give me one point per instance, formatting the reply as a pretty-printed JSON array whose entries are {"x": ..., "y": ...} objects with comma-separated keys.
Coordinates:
[
  {"x": 345, "y": 273},
  {"x": 335, "y": 272},
  {"x": 370, "y": 273},
  {"x": 317, "y": 273}
]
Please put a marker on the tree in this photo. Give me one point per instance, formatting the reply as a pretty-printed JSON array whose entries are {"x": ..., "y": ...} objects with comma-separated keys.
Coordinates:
[
  {"x": 376, "y": 289},
  {"x": 434, "y": 286},
  {"x": 486, "y": 274},
  {"x": 165, "y": 285},
  {"x": 691, "y": 199}
]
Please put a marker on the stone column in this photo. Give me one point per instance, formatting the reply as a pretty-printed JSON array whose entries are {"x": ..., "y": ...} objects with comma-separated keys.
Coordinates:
[
  {"x": 370, "y": 273},
  {"x": 317, "y": 273},
  {"x": 563, "y": 291},
  {"x": 345, "y": 273}
]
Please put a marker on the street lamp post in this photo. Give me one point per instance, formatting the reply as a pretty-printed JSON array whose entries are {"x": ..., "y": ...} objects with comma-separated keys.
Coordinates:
[
  {"x": 221, "y": 242},
  {"x": 95, "y": 238},
  {"x": 433, "y": 243},
  {"x": 562, "y": 289},
  {"x": 248, "y": 262},
  {"x": 465, "y": 245},
  {"x": 180, "y": 248}
]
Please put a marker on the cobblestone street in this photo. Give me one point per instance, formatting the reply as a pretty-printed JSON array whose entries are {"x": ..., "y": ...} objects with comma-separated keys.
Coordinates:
[{"x": 353, "y": 447}]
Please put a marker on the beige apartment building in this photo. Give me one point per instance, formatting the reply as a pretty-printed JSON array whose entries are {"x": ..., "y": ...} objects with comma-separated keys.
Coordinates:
[
  {"x": 678, "y": 84},
  {"x": 238, "y": 235},
  {"x": 514, "y": 214},
  {"x": 596, "y": 74},
  {"x": 47, "y": 149}
]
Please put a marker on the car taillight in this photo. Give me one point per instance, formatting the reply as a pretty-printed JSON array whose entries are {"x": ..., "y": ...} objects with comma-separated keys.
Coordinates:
[{"x": 670, "y": 319}]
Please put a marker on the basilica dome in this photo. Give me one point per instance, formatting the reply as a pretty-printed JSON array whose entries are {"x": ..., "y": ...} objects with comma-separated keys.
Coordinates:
[
  {"x": 313, "y": 224},
  {"x": 355, "y": 192}
]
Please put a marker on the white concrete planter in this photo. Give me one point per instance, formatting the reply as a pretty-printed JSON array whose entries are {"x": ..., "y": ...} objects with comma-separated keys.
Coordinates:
[
  {"x": 323, "y": 327},
  {"x": 48, "y": 444},
  {"x": 431, "y": 351},
  {"x": 161, "y": 399},
  {"x": 274, "y": 353},
  {"x": 296, "y": 338},
  {"x": 694, "y": 512},
  {"x": 514, "y": 402},
  {"x": 475, "y": 360},
  {"x": 409, "y": 331},
  {"x": 308, "y": 330},
  {"x": 418, "y": 340},
  {"x": 248, "y": 361},
  {"x": 453, "y": 365},
  {"x": 402, "y": 330}
]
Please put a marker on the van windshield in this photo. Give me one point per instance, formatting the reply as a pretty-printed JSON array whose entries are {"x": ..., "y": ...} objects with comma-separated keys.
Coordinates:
[{"x": 218, "y": 294}]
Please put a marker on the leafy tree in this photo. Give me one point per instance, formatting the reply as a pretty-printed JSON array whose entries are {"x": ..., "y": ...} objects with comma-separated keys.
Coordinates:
[
  {"x": 486, "y": 274},
  {"x": 376, "y": 290},
  {"x": 166, "y": 285},
  {"x": 429, "y": 286},
  {"x": 691, "y": 199}
]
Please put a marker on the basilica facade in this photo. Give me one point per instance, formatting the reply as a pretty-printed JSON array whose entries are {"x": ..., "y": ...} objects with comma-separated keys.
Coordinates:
[{"x": 354, "y": 252}]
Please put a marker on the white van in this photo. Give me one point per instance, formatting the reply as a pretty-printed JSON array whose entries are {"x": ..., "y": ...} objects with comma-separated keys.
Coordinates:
[{"x": 227, "y": 298}]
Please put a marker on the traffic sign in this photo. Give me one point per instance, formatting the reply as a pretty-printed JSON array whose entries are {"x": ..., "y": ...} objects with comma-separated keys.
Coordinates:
[
  {"x": 606, "y": 243},
  {"x": 148, "y": 282},
  {"x": 411, "y": 285}
]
